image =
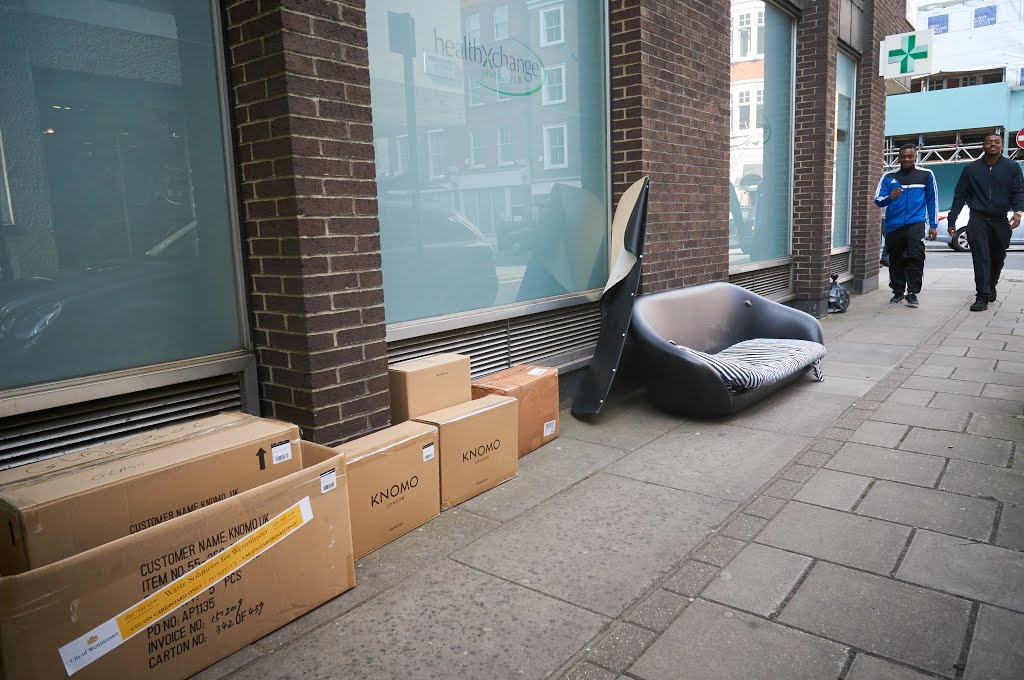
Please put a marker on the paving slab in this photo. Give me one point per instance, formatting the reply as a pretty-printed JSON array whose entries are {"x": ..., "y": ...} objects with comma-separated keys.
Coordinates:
[
  {"x": 856, "y": 541},
  {"x": 765, "y": 507},
  {"x": 839, "y": 369},
  {"x": 744, "y": 527},
  {"x": 226, "y": 666},
  {"x": 711, "y": 458},
  {"x": 833, "y": 384},
  {"x": 621, "y": 646},
  {"x": 985, "y": 377},
  {"x": 1011, "y": 527},
  {"x": 932, "y": 418},
  {"x": 960, "y": 362},
  {"x": 986, "y": 481},
  {"x": 833, "y": 489},
  {"x": 920, "y": 627},
  {"x": 972, "y": 343},
  {"x": 1009, "y": 366},
  {"x": 712, "y": 642},
  {"x": 934, "y": 371},
  {"x": 387, "y": 566},
  {"x": 911, "y": 397},
  {"x": 588, "y": 671},
  {"x": 951, "y": 351},
  {"x": 449, "y": 621},
  {"x": 758, "y": 579},
  {"x": 789, "y": 411},
  {"x": 976, "y": 404},
  {"x": 929, "y": 509},
  {"x": 957, "y": 445},
  {"x": 627, "y": 423},
  {"x": 719, "y": 551},
  {"x": 997, "y": 649},
  {"x": 784, "y": 488},
  {"x": 600, "y": 544},
  {"x": 879, "y": 434},
  {"x": 956, "y": 565},
  {"x": 1003, "y": 392},
  {"x": 542, "y": 474},
  {"x": 994, "y": 353},
  {"x": 867, "y": 667},
  {"x": 944, "y": 385},
  {"x": 868, "y": 353},
  {"x": 997, "y": 426},
  {"x": 897, "y": 466},
  {"x": 658, "y": 610},
  {"x": 691, "y": 578}
]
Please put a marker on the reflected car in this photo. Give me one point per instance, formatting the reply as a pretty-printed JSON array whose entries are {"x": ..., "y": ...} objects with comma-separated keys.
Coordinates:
[
  {"x": 959, "y": 242},
  {"x": 436, "y": 262}
]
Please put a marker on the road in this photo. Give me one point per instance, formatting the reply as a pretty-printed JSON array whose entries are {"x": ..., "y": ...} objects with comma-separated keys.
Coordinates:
[{"x": 941, "y": 257}]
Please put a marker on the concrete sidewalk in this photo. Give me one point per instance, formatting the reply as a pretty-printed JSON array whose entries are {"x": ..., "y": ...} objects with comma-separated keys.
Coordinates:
[{"x": 867, "y": 527}]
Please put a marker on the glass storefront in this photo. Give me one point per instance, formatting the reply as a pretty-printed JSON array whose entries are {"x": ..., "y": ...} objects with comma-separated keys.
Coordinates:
[
  {"x": 761, "y": 133},
  {"x": 491, "y": 141},
  {"x": 846, "y": 81},
  {"x": 116, "y": 237}
]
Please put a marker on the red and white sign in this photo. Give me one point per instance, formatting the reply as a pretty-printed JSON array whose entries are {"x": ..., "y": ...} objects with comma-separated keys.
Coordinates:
[{"x": 1020, "y": 138}]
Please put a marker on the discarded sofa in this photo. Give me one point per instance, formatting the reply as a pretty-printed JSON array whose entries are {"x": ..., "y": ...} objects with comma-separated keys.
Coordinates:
[{"x": 712, "y": 349}]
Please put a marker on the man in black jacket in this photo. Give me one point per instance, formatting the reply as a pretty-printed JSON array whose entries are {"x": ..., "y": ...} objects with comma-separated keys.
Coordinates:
[{"x": 990, "y": 186}]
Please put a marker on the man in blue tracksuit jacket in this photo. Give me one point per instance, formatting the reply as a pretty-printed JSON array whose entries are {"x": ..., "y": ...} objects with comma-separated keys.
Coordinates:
[{"x": 910, "y": 198}]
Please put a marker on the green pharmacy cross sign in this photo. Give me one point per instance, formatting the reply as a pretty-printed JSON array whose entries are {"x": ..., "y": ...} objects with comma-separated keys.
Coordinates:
[{"x": 907, "y": 53}]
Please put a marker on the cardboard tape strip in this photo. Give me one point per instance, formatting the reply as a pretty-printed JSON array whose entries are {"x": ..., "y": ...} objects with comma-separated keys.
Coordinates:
[{"x": 105, "y": 637}]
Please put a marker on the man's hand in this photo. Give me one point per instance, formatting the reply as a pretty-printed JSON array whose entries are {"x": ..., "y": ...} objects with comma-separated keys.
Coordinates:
[
  {"x": 932, "y": 233},
  {"x": 1015, "y": 220},
  {"x": 952, "y": 230},
  {"x": 895, "y": 193}
]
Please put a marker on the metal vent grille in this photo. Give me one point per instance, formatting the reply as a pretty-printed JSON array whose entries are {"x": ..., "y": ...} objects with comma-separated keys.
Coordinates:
[
  {"x": 773, "y": 283},
  {"x": 839, "y": 264},
  {"x": 44, "y": 434},
  {"x": 498, "y": 345}
]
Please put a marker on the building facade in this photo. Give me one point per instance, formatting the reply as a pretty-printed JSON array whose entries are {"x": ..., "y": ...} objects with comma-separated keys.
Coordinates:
[{"x": 259, "y": 203}]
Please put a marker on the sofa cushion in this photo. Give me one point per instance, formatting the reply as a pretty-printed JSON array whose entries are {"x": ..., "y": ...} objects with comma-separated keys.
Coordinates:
[{"x": 750, "y": 364}]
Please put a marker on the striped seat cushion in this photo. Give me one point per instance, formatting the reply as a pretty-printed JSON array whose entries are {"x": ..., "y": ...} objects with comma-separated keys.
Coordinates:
[{"x": 751, "y": 364}]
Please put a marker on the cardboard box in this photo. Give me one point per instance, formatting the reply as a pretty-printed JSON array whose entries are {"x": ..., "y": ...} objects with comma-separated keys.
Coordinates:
[
  {"x": 428, "y": 384},
  {"x": 536, "y": 389},
  {"x": 62, "y": 506},
  {"x": 479, "y": 446},
  {"x": 394, "y": 483},
  {"x": 176, "y": 598}
]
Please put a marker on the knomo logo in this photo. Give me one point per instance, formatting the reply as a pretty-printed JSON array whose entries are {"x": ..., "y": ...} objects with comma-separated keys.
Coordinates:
[
  {"x": 395, "y": 491},
  {"x": 481, "y": 450}
]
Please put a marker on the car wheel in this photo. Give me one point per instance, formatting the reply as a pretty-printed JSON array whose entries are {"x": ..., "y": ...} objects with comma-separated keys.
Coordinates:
[{"x": 959, "y": 242}]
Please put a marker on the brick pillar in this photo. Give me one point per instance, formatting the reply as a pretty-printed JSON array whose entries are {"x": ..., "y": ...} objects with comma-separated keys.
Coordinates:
[
  {"x": 670, "y": 120},
  {"x": 883, "y": 17},
  {"x": 301, "y": 84},
  {"x": 814, "y": 153}
]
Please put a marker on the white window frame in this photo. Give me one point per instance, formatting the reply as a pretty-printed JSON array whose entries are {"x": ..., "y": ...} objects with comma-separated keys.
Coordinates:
[
  {"x": 475, "y": 31},
  {"x": 502, "y": 78},
  {"x": 501, "y": 156},
  {"x": 740, "y": 105},
  {"x": 758, "y": 34},
  {"x": 476, "y": 153},
  {"x": 475, "y": 91},
  {"x": 738, "y": 29},
  {"x": 965, "y": 81},
  {"x": 544, "y": 42},
  {"x": 432, "y": 135},
  {"x": 504, "y": 23},
  {"x": 402, "y": 160},
  {"x": 548, "y": 165},
  {"x": 545, "y": 99}
]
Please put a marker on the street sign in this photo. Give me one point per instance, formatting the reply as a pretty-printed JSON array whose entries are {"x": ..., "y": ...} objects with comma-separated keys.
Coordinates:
[
  {"x": 1020, "y": 138},
  {"x": 906, "y": 54}
]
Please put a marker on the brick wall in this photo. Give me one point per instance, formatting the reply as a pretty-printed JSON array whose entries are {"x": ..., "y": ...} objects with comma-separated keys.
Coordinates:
[
  {"x": 304, "y": 143},
  {"x": 670, "y": 121},
  {"x": 884, "y": 17},
  {"x": 814, "y": 153}
]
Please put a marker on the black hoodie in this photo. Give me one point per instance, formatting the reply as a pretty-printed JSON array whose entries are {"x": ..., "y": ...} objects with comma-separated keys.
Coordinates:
[{"x": 988, "y": 190}]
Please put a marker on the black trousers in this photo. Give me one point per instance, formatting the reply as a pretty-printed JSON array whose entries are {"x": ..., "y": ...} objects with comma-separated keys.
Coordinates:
[
  {"x": 989, "y": 238},
  {"x": 905, "y": 248}
]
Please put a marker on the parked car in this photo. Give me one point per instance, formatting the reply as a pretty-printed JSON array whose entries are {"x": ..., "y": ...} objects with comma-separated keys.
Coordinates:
[{"x": 959, "y": 242}]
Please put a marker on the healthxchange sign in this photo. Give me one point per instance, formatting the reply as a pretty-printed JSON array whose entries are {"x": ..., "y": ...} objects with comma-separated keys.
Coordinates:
[
  {"x": 906, "y": 54},
  {"x": 511, "y": 68}
]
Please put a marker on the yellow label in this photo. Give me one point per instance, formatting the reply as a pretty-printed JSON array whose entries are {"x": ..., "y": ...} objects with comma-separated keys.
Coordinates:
[{"x": 188, "y": 586}]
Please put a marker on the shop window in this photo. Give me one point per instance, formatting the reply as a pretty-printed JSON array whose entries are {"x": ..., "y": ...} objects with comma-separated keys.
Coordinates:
[
  {"x": 524, "y": 203},
  {"x": 501, "y": 22},
  {"x": 117, "y": 239},
  {"x": 551, "y": 28},
  {"x": 381, "y": 156},
  {"x": 842, "y": 199},
  {"x": 554, "y": 85},
  {"x": 760, "y": 157}
]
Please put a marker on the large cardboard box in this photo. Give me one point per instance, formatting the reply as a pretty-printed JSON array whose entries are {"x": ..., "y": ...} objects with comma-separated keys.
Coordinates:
[
  {"x": 536, "y": 389},
  {"x": 479, "y": 446},
  {"x": 170, "y": 601},
  {"x": 428, "y": 384},
  {"x": 394, "y": 483},
  {"x": 62, "y": 506}
]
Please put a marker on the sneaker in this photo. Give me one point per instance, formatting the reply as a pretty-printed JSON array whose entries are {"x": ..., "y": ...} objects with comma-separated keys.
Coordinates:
[
  {"x": 992, "y": 295},
  {"x": 896, "y": 298},
  {"x": 980, "y": 305},
  {"x": 912, "y": 300}
]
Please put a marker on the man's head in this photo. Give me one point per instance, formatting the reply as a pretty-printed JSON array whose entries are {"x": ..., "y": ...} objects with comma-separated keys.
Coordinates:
[
  {"x": 908, "y": 156},
  {"x": 993, "y": 145}
]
